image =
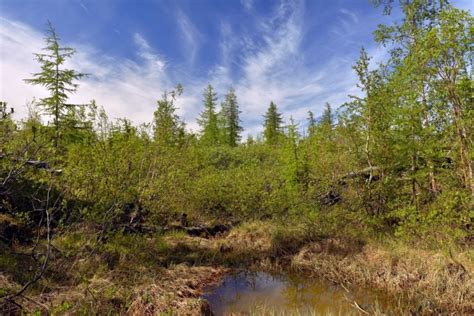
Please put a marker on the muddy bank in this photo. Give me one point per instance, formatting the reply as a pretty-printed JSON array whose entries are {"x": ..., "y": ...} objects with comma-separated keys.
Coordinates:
[
  {"x": 156, "y": 274},
  {"x": 178, "y": 291},
  {"x": 432, "y": 282},
  {"x": 426, "y": 281}
]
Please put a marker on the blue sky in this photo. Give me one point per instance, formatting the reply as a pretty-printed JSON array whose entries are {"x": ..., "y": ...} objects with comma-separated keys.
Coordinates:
[{"x": 296, "y": 53}]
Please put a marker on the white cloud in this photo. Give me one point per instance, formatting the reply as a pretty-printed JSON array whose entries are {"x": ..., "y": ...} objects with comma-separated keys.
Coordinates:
[
  {"x": 124, "y": 87},
  {"x": 247, "y": 4},
  {"x": 84, "y": 7},
  {"x": 277, "y": 70},
  {"x": 351, "y": 15},
  {"x": 190, "y": 33},
  {"x": 17, "y": 45},
  {"x": 270, "y": 63}
]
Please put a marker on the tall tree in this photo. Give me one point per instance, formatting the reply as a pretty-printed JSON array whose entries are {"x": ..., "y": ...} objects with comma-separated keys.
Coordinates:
[
  {"x": 272, "y": 125},
  {"x": 168, "y": 128},
  {"x": 364, "y": 104},
  {"x": 290, "y": 152},
  {"x": 327, "y": 119},
  {"x": 311, "y": 123},
  {"x": 230, "y": 119},
  {"x": 452, "y": 61},
  {"x": 367, "y": 122},
  {"x": 431, "y": 53},
  {"x": 208, "y": 119},
  {"x": 58, "y": 81}
]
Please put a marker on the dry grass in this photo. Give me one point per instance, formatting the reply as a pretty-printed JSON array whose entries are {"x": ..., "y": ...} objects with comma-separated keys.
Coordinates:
[
  {"x": 155, "y": 275},
  {"x": 251, "y": 237},
  {"x": 435, "y": 282},
  {"x": 7, "y": 285},
  {"x": 177, "y": 291}
]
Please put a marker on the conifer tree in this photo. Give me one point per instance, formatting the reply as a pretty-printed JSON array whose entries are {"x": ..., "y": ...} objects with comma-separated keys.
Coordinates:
[
  {"x": 209, "y": 119},
  {"x": 290, "y": 152},
  {"x": 230, "y": 119},
  {"x": 293, "y": 136},
  {"x": 168, "y": 127},
  {"x": 327, "y": 118},
  {"x": 272, "y": 125},
  {"x": 311, "y": 123},
  {"x": 58, "y": 81}
]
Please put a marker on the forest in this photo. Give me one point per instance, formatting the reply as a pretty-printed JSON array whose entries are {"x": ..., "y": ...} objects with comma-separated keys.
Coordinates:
[{"x": 101, "y": 216}]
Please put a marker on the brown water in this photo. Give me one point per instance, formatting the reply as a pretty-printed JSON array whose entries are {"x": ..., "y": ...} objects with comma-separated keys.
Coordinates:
[{"x": 261, "y": 293}]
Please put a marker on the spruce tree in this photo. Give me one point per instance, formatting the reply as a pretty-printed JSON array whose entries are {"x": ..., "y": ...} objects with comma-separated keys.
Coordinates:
[
  {"x": 272, "y": 125},
  {"x": 168, "y": 127},
  {"x": 293, "y": 136},
  {"x": 208, "y": 119},
  {"x": 231, "y": 121},
  {"x": 327, "y": 119},
  {"x": 58, "y": 81},
  {"x": 311, "y": 123}
]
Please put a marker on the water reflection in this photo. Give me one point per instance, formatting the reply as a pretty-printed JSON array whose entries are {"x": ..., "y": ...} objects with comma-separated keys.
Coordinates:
[{"x": 262, "y": 293}]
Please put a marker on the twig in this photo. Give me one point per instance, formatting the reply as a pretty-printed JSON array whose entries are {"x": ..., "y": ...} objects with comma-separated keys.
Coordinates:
[
  {"x": 360, "y": 308},
  {"x": 345, "y": 288},
  {"x": 40, "y": 273},
  {"x": 35, "y": 302}
]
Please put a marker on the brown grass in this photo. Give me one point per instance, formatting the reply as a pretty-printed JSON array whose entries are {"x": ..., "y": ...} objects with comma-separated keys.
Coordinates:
[
  {"x": 178, "y": 291},
  {"x": 155, "y": 275},
  {"x": 432, "y": 282}
]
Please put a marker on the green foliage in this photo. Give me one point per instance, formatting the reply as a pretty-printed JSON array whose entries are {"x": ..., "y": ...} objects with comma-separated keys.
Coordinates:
[
  {"x": 168, "y": 128},
  {"x": 311, "y": 123},
  {"x": 59, "y": 82},
  {"x": 327, "y": 120},
  {"x": 445, "y": 219},
  {"x": 61, "y": 309},
  {"x": 231, "y": 128},
  {"x": 272, "y": 125},
  {"x": 396, "y": 159},
  {"x": 210, "y": 134}
]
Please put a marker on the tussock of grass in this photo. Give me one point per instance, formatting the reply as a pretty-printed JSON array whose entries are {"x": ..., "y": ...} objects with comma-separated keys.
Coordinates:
[
  {"x": 140, "y": 274},
  {"x": 178, "y": 290},
  {"x": 432, "y": 280},
  {"x": 251, "y": 237}
]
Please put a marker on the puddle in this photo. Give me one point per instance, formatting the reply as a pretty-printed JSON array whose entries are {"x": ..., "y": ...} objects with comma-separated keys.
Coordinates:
[{"x": 263, "y": 293}]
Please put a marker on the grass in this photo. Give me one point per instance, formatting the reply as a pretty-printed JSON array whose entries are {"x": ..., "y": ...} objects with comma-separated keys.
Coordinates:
[
  {"x": 430, "y": 281},
  {"x": 161, "y": 274}
]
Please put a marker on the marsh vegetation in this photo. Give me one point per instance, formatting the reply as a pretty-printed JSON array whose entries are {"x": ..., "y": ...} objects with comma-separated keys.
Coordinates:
[{"x": 103, "y": 216}]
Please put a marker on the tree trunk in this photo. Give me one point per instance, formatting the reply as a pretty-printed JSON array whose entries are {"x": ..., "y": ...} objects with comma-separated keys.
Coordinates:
[{"x": 466, "y": 165}]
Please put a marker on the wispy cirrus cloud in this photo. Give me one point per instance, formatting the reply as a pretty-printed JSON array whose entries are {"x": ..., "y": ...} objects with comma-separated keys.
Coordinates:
[
  {"x": 277, "y": 70},
  {"x": 351, "y": 15},
  {"x": 247, "y": 4},
  {"x": 125, "y": 88},
  {"x": 155, "y": 64},
  {"x": 84, "y": 7},
  {"x": 265, "y": 63},
  {"x": 190, "y": 34}
]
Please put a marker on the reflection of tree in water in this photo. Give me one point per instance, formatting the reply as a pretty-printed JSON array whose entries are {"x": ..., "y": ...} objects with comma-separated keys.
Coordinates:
[
  {"x": 248, "y": 291},
  {"x": 311, "y": 295}
]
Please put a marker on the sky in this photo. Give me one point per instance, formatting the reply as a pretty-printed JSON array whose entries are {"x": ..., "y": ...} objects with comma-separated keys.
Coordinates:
[{"x": 298, "y": 53}]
